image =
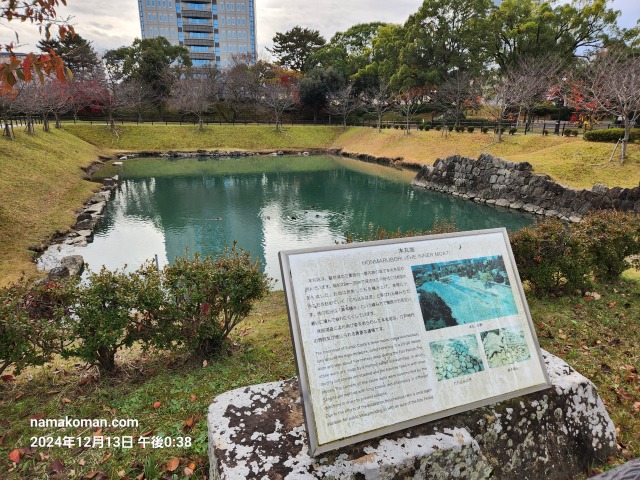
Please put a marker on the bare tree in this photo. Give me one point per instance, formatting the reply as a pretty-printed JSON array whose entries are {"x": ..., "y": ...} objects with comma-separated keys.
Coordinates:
[
  {"x": 138, "y": 96},
  {"x": 612, "y": 84},
  {"x": 28, "y": 103},
  {"x": 458, "y": 93},
  {"x": 109, "y": 95},
  {"x": 532, "y": 79},
  {"x": 7, "y": 99},
  {"x": 80, "y": 95},
  {"x": 55, "y": 101},
  {"x": 196, "y": 94},
  {"x": 409, "y": 101},
  {"x": 379, "y": 101},
  {"x": 238, "y": 89},
  {"x": 277, "y": 96},
  {"x": 502, "y": 97},
  {"x": 343, "y": 102}
]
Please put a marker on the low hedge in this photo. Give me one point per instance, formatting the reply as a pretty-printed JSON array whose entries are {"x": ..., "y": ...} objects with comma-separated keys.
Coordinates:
[{"x": 611, "y": 135}]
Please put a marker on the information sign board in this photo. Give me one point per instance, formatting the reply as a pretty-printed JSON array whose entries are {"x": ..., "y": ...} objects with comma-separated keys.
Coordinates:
[{"x": 395, "y": 333}]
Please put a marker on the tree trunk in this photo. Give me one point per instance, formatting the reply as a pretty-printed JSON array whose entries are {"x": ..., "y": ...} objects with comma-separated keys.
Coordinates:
[
  {"x": 45, "y": 124},
  {"x": 625, "y": 140},
  {"x": 499, "y": 130},
  {"x": 58, "y": 124},
  {"x": 379, "y": 123},
  {"x": 7, "y": 130},
  {"x": 30, "y": 128},
  {"x": 200, "y": 122},
  {"x": 106, "y": 360}
]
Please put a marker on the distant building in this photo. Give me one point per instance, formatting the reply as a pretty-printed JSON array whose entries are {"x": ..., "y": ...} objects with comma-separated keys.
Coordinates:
[{"x": 212, "y": 30}]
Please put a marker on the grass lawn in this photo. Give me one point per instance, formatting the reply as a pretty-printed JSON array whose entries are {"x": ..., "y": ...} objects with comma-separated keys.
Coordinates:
[
  {"x": 132, "y": 138},
  {"x": 40, "y": 188},
  {"x": 597, "y": 337},
  {"x": 568, "y": 160}
]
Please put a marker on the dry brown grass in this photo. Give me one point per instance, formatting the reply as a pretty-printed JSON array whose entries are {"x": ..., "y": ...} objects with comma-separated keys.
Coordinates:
[
  {"x": 568, "y": 160},
  {"x": 41, "y": 187}
]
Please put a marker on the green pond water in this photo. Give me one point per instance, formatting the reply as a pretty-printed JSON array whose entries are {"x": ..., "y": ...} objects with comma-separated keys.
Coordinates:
[{"x": 164, "y": 206}]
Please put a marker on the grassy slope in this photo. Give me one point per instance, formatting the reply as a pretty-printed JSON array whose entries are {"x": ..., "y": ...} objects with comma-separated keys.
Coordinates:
[
  {"x": 568, "y": 160},
  {"x": 40, "y": 187},
  {"x": 597, "y": 337},
  {"x": 188, "y": 137}
]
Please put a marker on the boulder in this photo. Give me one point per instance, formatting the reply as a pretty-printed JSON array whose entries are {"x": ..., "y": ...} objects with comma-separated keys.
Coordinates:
[
  {"x": 95, "y": 208},
  {"x": 628, "y": 471},
  {"x": 58, "y": 273},
  {"x": 73, "y": 263},
  {"x": 84, "y": 225},
  {"x": 258, "y": 432}
]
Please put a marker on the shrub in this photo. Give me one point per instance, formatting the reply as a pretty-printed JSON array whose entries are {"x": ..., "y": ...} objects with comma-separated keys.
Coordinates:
[
  {"x": 209, "y": 296},
  {"x": 545, "y": 132},
  {"x": 470, "y": 129},
  {"x": 512, "y": 131},
  {"x": 610, "y": 135},
  {"x": 459, "y": 129},
  {"x": 485, "y": 129},
  {"x": 438, "y": 127},
  {"x": 450, "y": 128},
  {"x": 575, "y": 133},
  {"x": 420, "y": 127},
  {"x": 31, "y": 323},
  {"x": 427, "y": 128},
  {"x": 396, "y": 126},
  {"x": 114, "y": 309},
  {"x": 609, "y": 238},
  {"x": 550, "y": 258},
  {"x": 567, "y": 132}
]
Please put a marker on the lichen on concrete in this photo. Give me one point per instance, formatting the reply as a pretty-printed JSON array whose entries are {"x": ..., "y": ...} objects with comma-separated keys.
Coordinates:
[{"x": 258, "y": 432}]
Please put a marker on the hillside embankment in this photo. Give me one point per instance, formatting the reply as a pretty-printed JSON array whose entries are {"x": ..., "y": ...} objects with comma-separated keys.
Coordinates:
[{"x": 44, "y": 179}]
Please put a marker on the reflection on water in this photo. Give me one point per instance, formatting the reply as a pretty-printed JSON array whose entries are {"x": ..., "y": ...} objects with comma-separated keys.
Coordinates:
[{"x": 284, "y": 205}]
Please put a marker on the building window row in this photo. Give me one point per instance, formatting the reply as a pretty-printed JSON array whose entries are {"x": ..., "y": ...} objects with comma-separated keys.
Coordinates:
[
  {"x": 231, "y": 7},
  {"x": 160, "y": 18},
  {"x": 234, "y": 35},
  {"x": 161, "y": 3},
  {"x": 232, "y": 21}
]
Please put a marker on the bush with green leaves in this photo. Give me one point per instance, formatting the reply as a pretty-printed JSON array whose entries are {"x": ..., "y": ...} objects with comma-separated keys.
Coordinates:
[
  {"x": 551, "y": 258},
  {"x": 485, "y": 129},
  {"x": 575, "y": 133},
  {"x": 611, "y": 135},
  {"x": 610, "y": 238},
  {"x": 115, "y": 309},
  {"x": 470, "y": 129},
  {"x": 438, "y": 127},
  {"x": 513, "y": 130},
  {"x": 32, "y": 323},
  {"x": 450, "y": 128},
  {"x": 209, "y": 296},
  {"x": 545, "y": 132}
]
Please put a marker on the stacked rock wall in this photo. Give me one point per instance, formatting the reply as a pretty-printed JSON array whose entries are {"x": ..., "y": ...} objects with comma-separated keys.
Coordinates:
[{"x": 498, "y": 182}]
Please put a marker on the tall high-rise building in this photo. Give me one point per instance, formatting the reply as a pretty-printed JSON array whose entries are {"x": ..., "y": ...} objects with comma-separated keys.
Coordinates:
[{"x": 212, "y": 30}]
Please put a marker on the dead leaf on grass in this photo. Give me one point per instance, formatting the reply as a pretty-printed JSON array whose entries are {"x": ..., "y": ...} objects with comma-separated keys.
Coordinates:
[
  {"x": 14, "y": 455},
  {"x": 189, "y": 422},
  {"x": 173, "y": 464}
]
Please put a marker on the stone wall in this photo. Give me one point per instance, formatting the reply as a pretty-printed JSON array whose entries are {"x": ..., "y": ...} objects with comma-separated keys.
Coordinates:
[{"x": 498, "y": 182}]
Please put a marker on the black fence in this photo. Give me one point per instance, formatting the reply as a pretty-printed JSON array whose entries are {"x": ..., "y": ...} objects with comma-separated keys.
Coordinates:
[{"x": 538, "y": 126}]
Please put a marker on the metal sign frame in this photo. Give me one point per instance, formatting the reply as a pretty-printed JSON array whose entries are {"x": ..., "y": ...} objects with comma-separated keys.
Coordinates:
[{"x": 289, "y": 279}]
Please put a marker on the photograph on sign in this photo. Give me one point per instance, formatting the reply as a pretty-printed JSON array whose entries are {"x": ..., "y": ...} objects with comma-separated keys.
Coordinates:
[{"x": 395, "y": 333}]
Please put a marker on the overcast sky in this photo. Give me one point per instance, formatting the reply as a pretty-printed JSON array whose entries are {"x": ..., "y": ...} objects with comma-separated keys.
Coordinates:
[{"x": 114, "y": 23}]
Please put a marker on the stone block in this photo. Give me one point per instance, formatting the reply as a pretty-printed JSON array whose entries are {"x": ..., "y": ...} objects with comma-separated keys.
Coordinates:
[
  {"x": 73, "y": 263},
  {"x": 258, "y": 432}
]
